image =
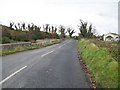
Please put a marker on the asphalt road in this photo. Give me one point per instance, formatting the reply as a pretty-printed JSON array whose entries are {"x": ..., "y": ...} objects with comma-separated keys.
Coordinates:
[{"x": 55, "y": 66}]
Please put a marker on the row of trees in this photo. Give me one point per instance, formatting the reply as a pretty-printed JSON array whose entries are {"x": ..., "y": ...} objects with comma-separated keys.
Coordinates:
[
  {"x": 47, "y": 28},
  {"x": 28, "y": 32},
  {"x": 86, "y": 30}
]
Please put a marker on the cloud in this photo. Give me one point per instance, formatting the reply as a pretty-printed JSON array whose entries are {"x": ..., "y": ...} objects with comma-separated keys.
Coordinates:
[{"x": 101, "y": 13}]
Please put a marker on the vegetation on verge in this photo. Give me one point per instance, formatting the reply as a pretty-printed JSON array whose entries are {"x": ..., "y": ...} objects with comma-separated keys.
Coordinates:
[
  {"x": 102, "y": 65},
  {"x": 112, "y": 47},
  {"x": 24, "y": 48}
]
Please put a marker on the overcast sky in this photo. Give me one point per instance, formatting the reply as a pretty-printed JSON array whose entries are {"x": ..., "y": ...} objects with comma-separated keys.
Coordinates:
[{"x": 103, "y": 14}]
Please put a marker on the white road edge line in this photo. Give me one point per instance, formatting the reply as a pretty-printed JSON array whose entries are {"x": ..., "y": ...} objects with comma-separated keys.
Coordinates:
[
  {"x": 56, "y": 45},
  {"x": 47, "y": 53},
  {"x": 13, "y": 74}
]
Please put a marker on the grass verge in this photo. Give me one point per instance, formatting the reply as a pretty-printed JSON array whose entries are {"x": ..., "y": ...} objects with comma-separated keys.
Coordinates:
[
  {"x": 102, "y": 65},
  {"x": 25, "y": 48}
]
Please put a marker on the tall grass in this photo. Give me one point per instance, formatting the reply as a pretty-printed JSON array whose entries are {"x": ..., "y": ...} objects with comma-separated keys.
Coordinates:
[
  {"x": 112, "y": 47},
  {"x": 102, "y": 65}
]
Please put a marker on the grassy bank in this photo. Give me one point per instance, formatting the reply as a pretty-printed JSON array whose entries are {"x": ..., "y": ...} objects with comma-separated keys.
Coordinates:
[
  {"x": 102, "y": 65},
  {"x": 112, "y": 47},
  {"x": 25, "y": 48}
]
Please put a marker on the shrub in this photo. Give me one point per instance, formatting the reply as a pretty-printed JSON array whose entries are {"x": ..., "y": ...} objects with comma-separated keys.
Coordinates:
[{"x": 5, "y": 40}]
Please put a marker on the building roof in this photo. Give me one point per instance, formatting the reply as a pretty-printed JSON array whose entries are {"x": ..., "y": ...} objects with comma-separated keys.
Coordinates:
[{"x": 112, "y": 34}]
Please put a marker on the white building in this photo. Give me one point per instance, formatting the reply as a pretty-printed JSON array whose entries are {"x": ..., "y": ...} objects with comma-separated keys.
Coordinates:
[{"x": 111, "y": 37}]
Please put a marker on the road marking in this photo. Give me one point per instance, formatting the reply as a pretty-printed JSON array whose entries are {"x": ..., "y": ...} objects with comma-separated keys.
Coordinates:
[
  {"x": 12, "y": 75},
  {"x": 52, "y": 46},
  {"x": 47, "y": 53},
  {"x": 59, "y": 46},
  {"x": 56, "y": 45},
  {"x": 64, "y": 44}
]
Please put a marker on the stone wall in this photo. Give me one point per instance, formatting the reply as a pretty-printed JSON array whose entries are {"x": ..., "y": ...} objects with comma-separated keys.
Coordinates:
[{"x": 12, "y": 45}]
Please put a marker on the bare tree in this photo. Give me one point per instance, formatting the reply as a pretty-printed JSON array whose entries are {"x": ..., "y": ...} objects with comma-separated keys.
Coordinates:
[
  {"x": 29, "y": 27},
  {"x": 46, "y": 28},
  {"x": 70, "y": 31},
  {"x": 62, "y": 31},
  {"x": 32, "y": 27},
  {"x": 52, "y": 29},
  {"x": 55, "y": 29},
  {"x": 23, "y": 26},
  {"x": 49, "y": 29},
  {"x": 85, "y": 30},
  {"x": 19, "y": 26},
  {"x": 11, "y": 24},
  {"x": 16, "y": 27}
]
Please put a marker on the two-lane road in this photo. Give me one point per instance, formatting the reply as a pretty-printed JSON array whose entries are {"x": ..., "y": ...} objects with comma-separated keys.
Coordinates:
[{"x": 55, "y": 66}]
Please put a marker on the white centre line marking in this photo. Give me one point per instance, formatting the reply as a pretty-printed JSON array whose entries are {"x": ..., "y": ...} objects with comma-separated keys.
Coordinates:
[
  {"x": 12, "y": 74},
  {"x": 60, "y": 46},
  {"x": 47, "y": 53}
]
